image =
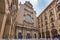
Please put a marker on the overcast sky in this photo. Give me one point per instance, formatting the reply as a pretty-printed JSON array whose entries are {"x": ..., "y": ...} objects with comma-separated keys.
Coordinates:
[{"x": 38, "y": 5}]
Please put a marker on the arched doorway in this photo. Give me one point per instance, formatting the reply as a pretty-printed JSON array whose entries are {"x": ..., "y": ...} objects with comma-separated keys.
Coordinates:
[
  {"x": 43, "y": 36},
  {"x": 47, "y": 34},
  {"x": 54, "y": 33},
  {"x": 20, "y": 35},
  {"x": 28, "y": 36},
  {"x": 39, "y": 35}
]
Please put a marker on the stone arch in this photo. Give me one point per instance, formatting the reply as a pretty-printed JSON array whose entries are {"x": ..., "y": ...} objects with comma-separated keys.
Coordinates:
[
  {"x": 47, "y": 34},
  {"x": 43, "y": 34},
  {"x": 54, "y": 33},
  {"x": 39, "y": 35}
]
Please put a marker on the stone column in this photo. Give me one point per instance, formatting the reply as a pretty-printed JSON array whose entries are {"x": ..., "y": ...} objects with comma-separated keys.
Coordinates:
[
  {"x": 50, "y": 33},
  {"x": 23, "y": 33},
  {"x": 55, "y": 13},
  {"x": 41, "y": 35},
  {"x": 4, "y": 19},
  {"x": 45, "y": 34},
  {"x": 10, "y": 28},
  {"x": 3, "y": 25}
]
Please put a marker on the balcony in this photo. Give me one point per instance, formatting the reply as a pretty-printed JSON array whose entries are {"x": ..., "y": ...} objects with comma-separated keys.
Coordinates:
[
  {"x": 27, "y": 25},
  {"x": 35, "y": 28}
]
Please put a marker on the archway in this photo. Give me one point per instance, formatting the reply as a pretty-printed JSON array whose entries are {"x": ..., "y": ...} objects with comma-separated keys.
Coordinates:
[
  {"x": 39, "y": 35},
  {"x": 47, "y": 34},
  {"x": 20, "y": 35},
  {"x": 54, "y": 33},
  {"x": 28, "y": 36},
  {"x": 43, "y": 36}
]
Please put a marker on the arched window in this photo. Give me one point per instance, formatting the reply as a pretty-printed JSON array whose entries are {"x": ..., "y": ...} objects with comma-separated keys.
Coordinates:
[
  {"x": 52, "y": 20},
  {"x": 28, "y": 18}
]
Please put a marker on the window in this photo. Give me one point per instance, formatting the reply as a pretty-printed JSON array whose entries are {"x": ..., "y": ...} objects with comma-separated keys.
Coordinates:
[
  {"x": 28, "y": 18},
  {"x": 46, "y": 23},
  {"x": 58, "y": 0},
  {"x": 28, "y": 36},
  {"x": 47, "y": 34},
  {"x": 51, "y": 8},
  {"x": 46, "y": 27},
  {"x": 59, "y": 29},
  {"x": 5, "y": 37},
  {"x": 51, "y": 13},
  {"x": 43, "y": 36},
  {"x": 59, "y": 16},
  {"x": 20, "y": 35},
  {"x": 52, "y": 20},
  {"x": 42, "y": 30},
  {"x": 41, "y": 19},
  {"x": 39, "y": 35},
  {"x": 53, "y": 25},
  {"x": 42, "y": 25},
  {"x": 58, "y": 7},
  {"x": 35, "y": 35},
  {"x": 45, "y": 17}
]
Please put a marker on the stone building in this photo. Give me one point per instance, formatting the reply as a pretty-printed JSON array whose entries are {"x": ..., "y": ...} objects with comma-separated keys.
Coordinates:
[
  {"x": 8, "y": 11},
  {"x": 26, "y": 22},
  {"x": 49, "y": 20}
]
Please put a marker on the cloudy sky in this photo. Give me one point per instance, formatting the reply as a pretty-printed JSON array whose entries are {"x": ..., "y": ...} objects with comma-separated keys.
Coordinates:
[{"x": 38, "y": 5}]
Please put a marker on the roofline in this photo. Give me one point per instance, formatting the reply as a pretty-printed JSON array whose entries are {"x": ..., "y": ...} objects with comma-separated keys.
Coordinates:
[{"x": 46, "y": 7}]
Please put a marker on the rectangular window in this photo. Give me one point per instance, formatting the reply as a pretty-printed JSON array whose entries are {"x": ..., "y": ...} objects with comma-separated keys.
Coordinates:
[
  {"x": 41, "y": 25},
  {"x": 19, "y": 35},
  {"x": 51, "y": 13},
  {"x": 46, "y": 23},
  {"x": 46, "y": 28},
  {"x": 53, "y": 25},
  {"x": 59, "y": 16},
  {"x": 58, "y": 7},
  {"x": 35, "y": 35},
  {"x": 52, "y": 20},
  {"x": 43, "y": 36},
  {"x": 45, "y": 16}
]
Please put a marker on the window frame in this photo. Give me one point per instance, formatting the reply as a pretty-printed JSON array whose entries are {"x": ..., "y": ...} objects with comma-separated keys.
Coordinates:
[{"x": 28, "y": 18}]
